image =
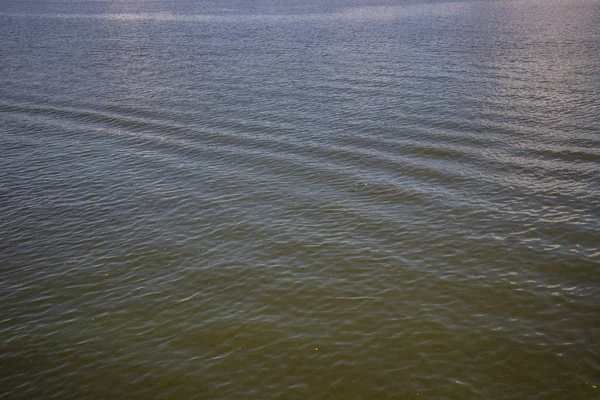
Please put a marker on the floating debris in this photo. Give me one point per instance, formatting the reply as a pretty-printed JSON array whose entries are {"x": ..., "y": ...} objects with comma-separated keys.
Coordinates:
[{"x": 187, "y": 298}]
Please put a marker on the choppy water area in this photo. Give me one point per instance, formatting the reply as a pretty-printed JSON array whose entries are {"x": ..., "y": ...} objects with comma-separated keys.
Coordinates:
[{"x": 290, "y": 200}]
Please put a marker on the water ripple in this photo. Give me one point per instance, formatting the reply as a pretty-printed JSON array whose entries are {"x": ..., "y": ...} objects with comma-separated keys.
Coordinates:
[{"x": 299, "y": 201}]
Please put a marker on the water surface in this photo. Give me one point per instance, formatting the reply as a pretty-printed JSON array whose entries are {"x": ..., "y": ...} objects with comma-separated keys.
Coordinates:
[{"x": 291, "y": 200}]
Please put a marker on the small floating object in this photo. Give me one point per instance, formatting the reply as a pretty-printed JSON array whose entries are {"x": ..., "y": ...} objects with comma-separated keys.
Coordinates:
[{"x": 187, "y": 298}]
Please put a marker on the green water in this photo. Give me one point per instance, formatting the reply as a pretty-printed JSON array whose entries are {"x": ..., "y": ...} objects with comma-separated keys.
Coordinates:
[{"x": 290, "y": 200}]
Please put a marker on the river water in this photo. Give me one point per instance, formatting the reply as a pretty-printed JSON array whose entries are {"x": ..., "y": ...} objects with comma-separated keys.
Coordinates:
[{"x": 282, "y": 199}]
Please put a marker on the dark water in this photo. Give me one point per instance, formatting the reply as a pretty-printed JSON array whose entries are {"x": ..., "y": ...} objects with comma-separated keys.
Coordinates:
[{"x": 290, "y": 200}]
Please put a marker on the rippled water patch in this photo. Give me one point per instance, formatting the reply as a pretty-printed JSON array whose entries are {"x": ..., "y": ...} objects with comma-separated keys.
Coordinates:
[{"x": 299, "y": 200}]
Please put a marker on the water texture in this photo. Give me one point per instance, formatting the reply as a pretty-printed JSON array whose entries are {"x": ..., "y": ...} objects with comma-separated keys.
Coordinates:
[{"x": 295, "y": 200}]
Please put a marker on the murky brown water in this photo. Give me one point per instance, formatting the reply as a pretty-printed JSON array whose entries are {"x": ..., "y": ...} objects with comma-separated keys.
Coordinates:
[{"x": 285, "y": 200}]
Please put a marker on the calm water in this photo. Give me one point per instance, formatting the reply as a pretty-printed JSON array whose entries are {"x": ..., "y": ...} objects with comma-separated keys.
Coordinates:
[{"x": 281, "y": 199}]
